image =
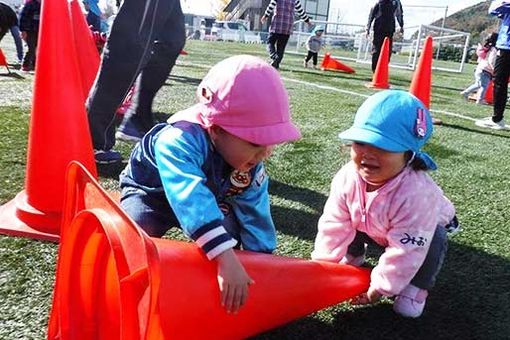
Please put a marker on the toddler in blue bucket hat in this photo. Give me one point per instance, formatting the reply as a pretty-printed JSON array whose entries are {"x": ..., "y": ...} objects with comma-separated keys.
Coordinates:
[{"x": 385, "y": 197}]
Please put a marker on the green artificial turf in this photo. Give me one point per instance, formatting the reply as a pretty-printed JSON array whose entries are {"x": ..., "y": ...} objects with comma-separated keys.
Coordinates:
[{"x": 472, "y": 297}]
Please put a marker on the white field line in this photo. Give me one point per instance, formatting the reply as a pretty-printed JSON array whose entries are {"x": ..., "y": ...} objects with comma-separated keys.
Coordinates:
[{"x": 331, "y": 88}]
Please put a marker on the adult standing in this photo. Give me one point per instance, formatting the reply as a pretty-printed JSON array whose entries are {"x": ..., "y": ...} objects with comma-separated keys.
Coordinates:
[
  {"x": 29, "y": 26},
  {"x": 145, "y": 40},
  {"x": 383, "y": 15},
  {"x": 501, "y": 9},
  {"x": 282, "y": 12}
]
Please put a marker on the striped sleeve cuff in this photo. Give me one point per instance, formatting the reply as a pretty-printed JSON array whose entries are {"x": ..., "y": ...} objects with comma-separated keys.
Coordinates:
[{"x": 214, "y": 240}]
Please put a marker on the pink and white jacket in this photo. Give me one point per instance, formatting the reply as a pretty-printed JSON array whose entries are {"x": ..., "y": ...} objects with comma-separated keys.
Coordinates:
[{"x": 401, "y": 216}]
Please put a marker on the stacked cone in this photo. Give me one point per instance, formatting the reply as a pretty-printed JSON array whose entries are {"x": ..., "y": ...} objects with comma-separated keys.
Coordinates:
[
  {"x": 330, "y": 63},
  {"x": 422, "y": 78},
  {"x": 58, "y": 130},
  {"x": 114, "y": 282},
  {"x": 381, "y": 73}
]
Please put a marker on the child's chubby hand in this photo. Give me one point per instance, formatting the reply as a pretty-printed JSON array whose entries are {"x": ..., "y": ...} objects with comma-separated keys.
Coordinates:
[
  {"x": 233, "y": 281},
  {"x": 371, "y": 296}
]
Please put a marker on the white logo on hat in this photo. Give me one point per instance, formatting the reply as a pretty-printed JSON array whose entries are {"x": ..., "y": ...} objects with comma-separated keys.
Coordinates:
[{"x": 421, "y": 124}]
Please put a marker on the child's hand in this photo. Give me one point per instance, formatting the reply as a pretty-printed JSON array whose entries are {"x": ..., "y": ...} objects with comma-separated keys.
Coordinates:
[
  {"x": 371, "y": 296},
  {"x": 233, "y": 281}
]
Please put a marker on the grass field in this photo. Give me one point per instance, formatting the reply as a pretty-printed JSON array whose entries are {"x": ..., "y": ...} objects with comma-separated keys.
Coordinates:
[{"x": 472, "y": 297}]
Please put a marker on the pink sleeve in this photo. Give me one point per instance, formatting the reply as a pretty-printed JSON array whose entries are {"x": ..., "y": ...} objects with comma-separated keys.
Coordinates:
[
  {"x": 414, "y": 216},
  {"x": 335, "y": 231}
]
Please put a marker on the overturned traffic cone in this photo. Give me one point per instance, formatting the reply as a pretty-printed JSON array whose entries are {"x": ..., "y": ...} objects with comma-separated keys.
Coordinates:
[
  {"x": 330, "y": 63},
  {"x": 115, "y": 282},
  {"x": 3, "y": 61},
  {"x": 86, "y": 50},
  {"x": 58, "y": 131},
  {"x": 381, "y": 73},
  {"x": 422, "y": 78}
]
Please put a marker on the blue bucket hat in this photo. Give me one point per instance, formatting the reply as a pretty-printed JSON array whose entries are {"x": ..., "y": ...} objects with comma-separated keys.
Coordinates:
[
  {"x": 318, "y": 28},
  {"x": 394, "y": 121}
]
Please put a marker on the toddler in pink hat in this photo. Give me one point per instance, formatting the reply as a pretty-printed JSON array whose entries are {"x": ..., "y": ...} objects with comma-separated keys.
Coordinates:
[{"x": 203, "y": 170}]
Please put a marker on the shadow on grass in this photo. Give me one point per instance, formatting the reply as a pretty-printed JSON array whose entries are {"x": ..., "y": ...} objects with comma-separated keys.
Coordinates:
[
  {"x": 183, "y": 80},
  {"x": 303, "y": 224},
  {"x": 470, "y": 301},
  {"x": 475, "y": 129},
  {"x": 14, "y": 75}
]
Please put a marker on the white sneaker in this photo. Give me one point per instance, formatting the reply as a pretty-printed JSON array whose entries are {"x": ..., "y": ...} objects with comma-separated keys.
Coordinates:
[
  {"x": 489, "y": 123},
  {"x": 305, "y": 64},
  {"x": 356, "y": 261},
  {"x": 410, "y": 302}
]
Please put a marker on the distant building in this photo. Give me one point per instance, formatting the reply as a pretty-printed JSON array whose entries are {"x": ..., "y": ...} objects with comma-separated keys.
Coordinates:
[{"x": 252, "y": 10}]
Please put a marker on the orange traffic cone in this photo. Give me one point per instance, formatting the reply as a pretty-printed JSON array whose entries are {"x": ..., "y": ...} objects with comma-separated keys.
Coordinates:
[
  {"x": 422, "y": 79},
  {"x": 86, "y": 50},
  {"x": 58, "y": 131},
  {"x": 381, "y": 74},
  {"x": 330, "y": 63},
  {"x": 115, "y": 282},
  {"x": 3, "y": 61},
  {"x": 489, "y": 94}
]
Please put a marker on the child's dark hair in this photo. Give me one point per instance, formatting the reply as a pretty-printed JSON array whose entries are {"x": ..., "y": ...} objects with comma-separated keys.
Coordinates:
[
  {"x": 415, "y": 163},
  {"x": 490, "y": 40}
]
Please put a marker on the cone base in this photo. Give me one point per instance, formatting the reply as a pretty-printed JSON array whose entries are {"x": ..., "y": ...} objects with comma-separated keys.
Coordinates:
[
  {"x": 378, "y": 86},
  {"x": 18, "y": 218}
]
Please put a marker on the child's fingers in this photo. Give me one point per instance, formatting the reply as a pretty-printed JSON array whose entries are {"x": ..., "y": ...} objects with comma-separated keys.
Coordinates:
[
  {"x": 361, "y": 299},
  {"x": 228, "y": 298}
]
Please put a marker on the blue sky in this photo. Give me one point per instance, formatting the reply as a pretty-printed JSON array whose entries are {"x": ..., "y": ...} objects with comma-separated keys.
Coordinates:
[{"x": 357, "y": 11}]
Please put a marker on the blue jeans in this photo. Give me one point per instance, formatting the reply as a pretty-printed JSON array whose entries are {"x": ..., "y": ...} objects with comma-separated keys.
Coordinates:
[
  {"x": 153, "y": 213},
  {"x": 145, "y": 39},
  {"x": 17, "y": 41},
  {"x": 425, "y": 278},
  {"x": 482, "y": 80}
]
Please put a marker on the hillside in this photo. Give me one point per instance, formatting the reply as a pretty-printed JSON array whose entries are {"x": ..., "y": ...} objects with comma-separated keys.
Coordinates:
[{"x": 474, "y": 20}]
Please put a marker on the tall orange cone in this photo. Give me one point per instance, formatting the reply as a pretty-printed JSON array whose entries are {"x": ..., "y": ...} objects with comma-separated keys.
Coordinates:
[
  {"x": 114, "y": 282},
  {"x": 330, "y": 63},
  {"x": 422, "y": 79},
  {"x": 86, "y": 50},
  {"x": 58, "y": 130},
  {"x": 3, "y": 61},
  {"x": 381, "y": 74}
]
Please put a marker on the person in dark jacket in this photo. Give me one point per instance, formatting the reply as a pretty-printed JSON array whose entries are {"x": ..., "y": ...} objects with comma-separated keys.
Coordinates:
[
  {"x": 9, "y": 22},
  {"x": 383, "y": 15},
  {"x": 29, "y": 27},
  {"x": 7, "y": 19}
]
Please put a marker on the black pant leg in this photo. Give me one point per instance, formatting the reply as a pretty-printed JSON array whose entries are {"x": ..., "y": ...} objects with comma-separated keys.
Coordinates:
[{"x": 501, "y": 75}]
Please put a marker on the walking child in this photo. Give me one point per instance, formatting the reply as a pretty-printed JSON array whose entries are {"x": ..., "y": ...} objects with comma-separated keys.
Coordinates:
[
  {"x": 484, "y": 70},
  {"x": 314, "y": 44},
  {"x": 204, "y": 170},
  {"x": 385, "y": 197},
  {"x": 282, "y": 12}
]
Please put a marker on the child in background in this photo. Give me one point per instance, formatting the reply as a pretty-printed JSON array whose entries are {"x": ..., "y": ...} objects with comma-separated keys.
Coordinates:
[
  {"x": 314, "y": 44},
  {"x": 384, "y": 196},
  {"x": 282, "y": 21},
  {"x": 204, "y": 171},
  {"x": 485, "y": 69}
]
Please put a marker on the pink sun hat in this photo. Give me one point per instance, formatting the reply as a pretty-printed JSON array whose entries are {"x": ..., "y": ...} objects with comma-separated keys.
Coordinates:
[{"x": 245, "y": 96}]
